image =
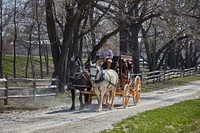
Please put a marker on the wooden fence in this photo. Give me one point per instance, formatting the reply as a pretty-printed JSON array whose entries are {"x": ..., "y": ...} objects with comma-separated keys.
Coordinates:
[
  {"x": 155, "y": 76},
  {"x": 26, "y": 88},
  {"x": 32, "y": 88}
]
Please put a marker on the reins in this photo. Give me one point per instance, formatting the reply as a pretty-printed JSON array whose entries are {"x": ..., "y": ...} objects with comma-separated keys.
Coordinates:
[{"x": 115, "y": 85}]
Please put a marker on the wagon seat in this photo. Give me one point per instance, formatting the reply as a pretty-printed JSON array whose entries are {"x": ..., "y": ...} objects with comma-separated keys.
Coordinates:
[{"x": 114, "y": 63}]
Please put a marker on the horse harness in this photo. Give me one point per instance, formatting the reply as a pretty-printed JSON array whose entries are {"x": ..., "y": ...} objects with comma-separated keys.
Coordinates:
[
  {"x": 102, "y": 78},
  {"x": 110, "y": 83},
  {"x": 80, "y": 75}
]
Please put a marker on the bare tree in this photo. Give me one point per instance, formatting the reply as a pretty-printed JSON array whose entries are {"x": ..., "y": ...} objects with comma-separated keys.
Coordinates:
[
  {"x": 29, "y": 51},
  {"x": 74, "y": 29},
  {"x": 46, "y": 56},
  {"x": 136, "y": 13},
  {"x": 1, "y": 39},
  {"x": 169, "y": 30},
  {"x": 39, "y": 36},
  {"x": 15, "y": 39},
  {"x": 53, "y": 36},
  {"x": 165, "y": 37}
]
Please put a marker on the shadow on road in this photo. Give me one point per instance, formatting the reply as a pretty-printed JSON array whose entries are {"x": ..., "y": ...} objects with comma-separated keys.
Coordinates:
[{"x": 89, "y": 109}]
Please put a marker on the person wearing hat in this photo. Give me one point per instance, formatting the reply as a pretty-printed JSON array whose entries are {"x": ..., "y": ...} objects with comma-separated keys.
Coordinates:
[{"x": 105, "y": 55}]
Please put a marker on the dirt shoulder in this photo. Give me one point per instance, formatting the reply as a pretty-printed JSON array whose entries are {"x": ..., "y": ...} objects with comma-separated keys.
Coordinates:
[{"x": 60, "y": 119}]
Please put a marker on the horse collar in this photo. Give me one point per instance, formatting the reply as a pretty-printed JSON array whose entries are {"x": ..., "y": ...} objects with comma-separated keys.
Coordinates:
[{"x": 100, "y": 79}]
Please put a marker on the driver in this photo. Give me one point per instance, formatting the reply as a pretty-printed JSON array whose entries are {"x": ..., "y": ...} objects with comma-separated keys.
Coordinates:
[{"x": 106, "y": 55}]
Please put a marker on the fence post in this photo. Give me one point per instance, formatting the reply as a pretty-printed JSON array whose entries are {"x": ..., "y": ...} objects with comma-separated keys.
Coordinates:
[
  {"x": 193, "y": 71},
  {"x": 57, "y": 86},
  {"x": 153, "y": 77},
  {"x": 169, "y": 74},
  {"x": 183, "y": 72},
  {"x": 6, "y": 91},
  {"x": 34, "y": 87},
  {"x": 164, "y": 75},
  {"x": 179, "y": 73},
  {"x": 199, "y": 69}
]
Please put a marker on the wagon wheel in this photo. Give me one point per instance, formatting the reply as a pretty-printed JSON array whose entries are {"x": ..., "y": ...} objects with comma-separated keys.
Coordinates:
[
  {"x": 126, "y": 95},
  {"x": 137, "y": 90}
]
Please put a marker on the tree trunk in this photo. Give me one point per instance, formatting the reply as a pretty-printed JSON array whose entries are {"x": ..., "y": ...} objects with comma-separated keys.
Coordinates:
[
  {"x": 80, "y": 49},
  {"x": 190, "y": 54},
  {"x": 14, "y": 42},
  {"x": 61, "y": 57},
  {"x": 135, "y": 28},
  {"x": 46, "y": 56},
  {"x": 187, "y": 55},
  {"x": 32, "y": 65},
  {"x": 91, "y": 24},
  {"x": 27, "y": 61},
  {"x": 172, "y": 62},
  {"x": 53, "y": 37},
  {"x": 195, "y": 55},
  {"x": 148, "y": 49},
  {"x": 39, "y": 39},
  {"x": 124, "y": 41},
  {"x": 134, "y": 32},
  {"x": 30, "y": 55},
  {"x": 1, "y": 40}
]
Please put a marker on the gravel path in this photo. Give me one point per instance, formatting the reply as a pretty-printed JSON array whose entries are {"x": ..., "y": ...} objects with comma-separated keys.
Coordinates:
[{"x": 61, "y": 120}]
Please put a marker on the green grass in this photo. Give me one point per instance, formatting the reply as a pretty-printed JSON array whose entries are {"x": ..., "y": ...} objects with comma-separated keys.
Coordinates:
[
  {"x": 84, "y": 60},
  {"x": 182, "y": 117},
  {"x": 169, "y": 83},
  {"x": 21, "y": 65}
]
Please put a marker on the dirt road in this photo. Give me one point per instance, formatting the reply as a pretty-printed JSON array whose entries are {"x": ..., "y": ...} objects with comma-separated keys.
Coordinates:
[{"x": 61, "y": 120}]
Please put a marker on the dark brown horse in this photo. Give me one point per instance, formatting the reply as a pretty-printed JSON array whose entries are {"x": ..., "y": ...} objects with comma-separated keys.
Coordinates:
[{"x": 79, "y": 80}]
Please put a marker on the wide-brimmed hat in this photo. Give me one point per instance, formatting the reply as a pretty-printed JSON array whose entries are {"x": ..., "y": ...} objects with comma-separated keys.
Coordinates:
[{"x": 106, "y": 44}]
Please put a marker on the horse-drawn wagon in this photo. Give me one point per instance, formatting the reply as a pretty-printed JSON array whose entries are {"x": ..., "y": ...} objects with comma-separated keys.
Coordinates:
[{"x": 127, "y": 86}]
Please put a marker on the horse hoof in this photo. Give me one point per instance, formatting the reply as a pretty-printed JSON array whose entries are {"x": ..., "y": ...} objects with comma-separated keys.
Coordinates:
[
  {"x": 108, "y": 105},
  {"x": 98, "y": 110},
  {"x": 86, "y": 105},
  {"x": 72, "y": 109},
  {"x": 111, "y": 108},
  {"x": 81, "y": 108}
]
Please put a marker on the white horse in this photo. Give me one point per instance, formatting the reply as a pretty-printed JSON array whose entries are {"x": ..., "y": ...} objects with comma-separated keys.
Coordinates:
[{"x": 102, "y": 82}]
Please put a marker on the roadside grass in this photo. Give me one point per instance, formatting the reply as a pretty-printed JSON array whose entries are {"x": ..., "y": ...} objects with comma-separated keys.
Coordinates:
[
  {"x": 169, "y": 83},
  {"x": 181, "y": 117}
]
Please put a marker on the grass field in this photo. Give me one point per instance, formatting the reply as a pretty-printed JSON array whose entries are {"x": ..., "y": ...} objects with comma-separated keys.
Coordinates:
[
  {"x": 21, "y": 66},
  {"x": 169, "y": 83},
  {"x": 182, "y": 117}
]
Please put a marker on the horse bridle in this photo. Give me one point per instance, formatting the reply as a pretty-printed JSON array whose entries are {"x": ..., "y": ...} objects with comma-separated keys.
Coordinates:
[
  {"x": 95, "y": 76},
  {"x": 75, "y": 72},
  {"x": 101, "y": 78}
]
